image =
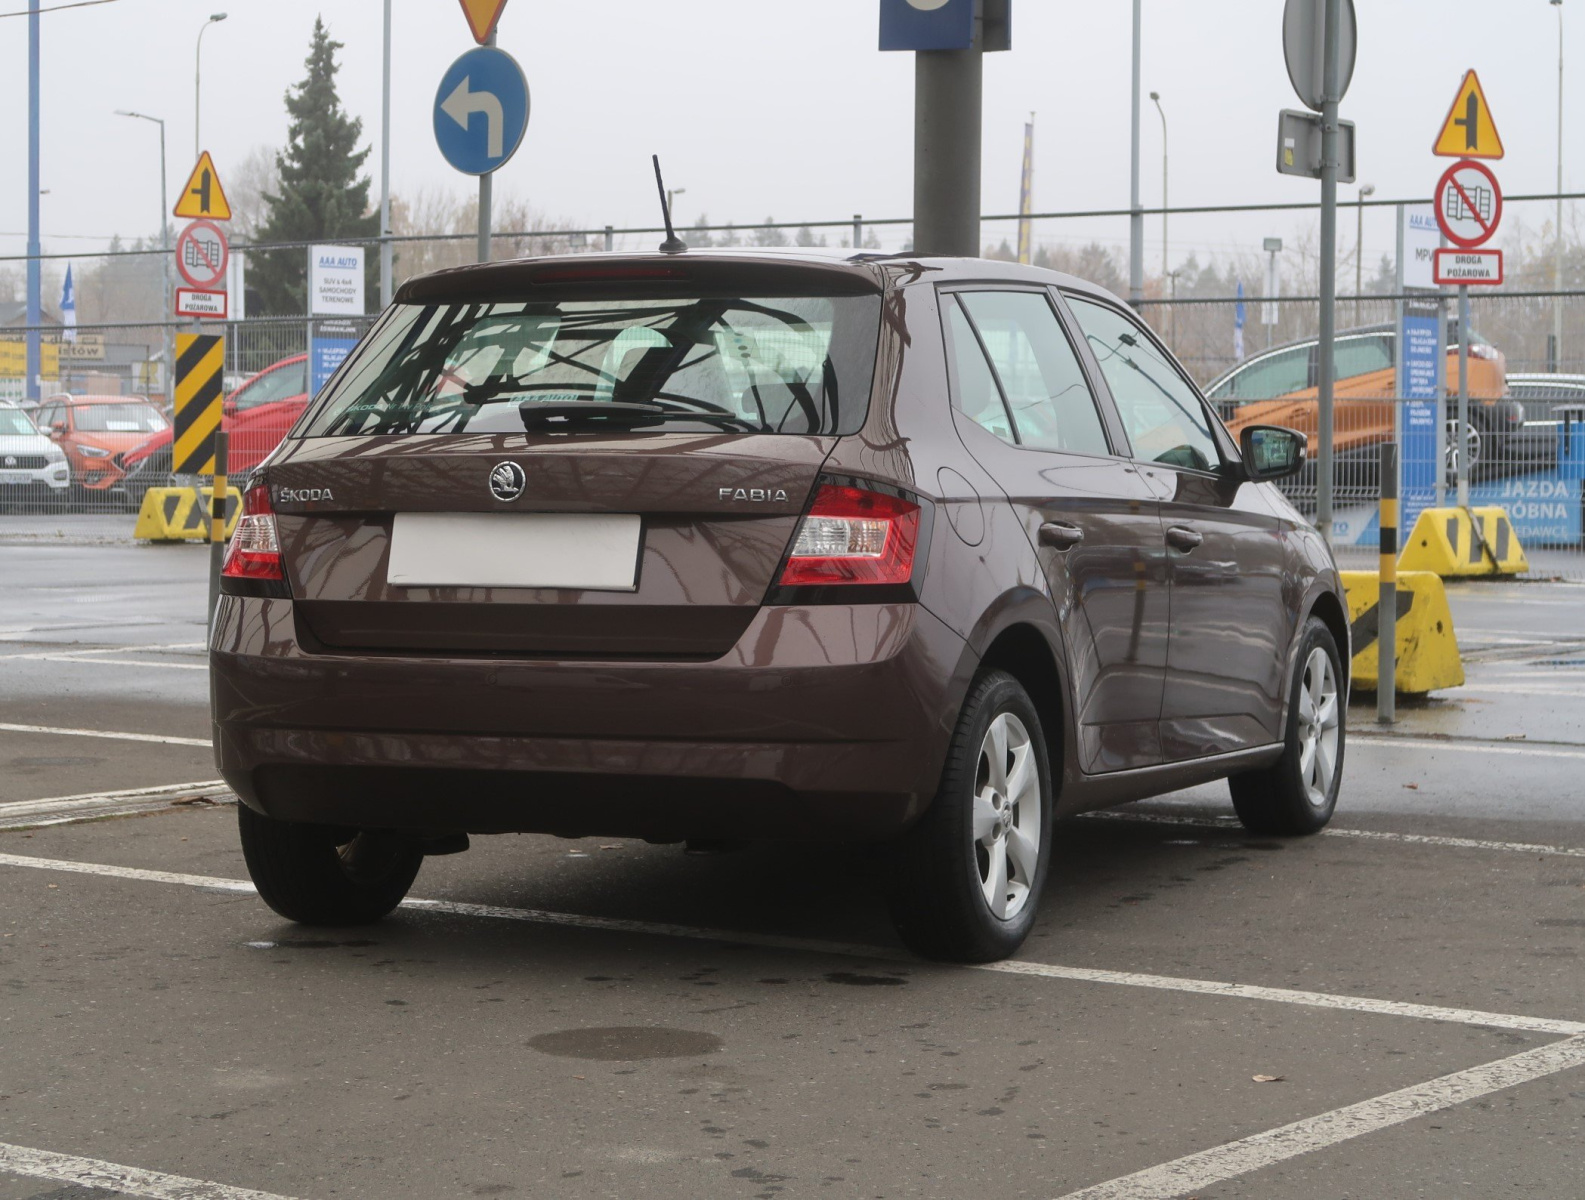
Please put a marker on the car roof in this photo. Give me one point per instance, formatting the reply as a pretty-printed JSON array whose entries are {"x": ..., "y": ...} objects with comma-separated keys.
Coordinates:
[
  {"x": 843, "y": 271},
  {"x": 63, "y": 398},
  {"x": 1545, "y": 379}
]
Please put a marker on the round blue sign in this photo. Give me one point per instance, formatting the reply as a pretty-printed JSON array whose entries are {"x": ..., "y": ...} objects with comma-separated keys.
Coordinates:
[{"x": 481, "y": 110}]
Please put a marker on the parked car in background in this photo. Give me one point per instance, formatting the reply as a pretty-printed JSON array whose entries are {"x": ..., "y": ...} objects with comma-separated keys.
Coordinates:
[
  {"x": 1279, "y": 387},
  {"x": 34, "y": 474},
  {"x": 95, "y": 430},
  {"x": 257, "y": 416}
]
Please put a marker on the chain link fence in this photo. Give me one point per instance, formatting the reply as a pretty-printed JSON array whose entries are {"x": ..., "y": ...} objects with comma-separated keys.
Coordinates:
[{"x": 104, "y": 402}]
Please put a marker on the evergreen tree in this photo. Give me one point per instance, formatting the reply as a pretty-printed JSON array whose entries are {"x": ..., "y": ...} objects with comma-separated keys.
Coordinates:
[{"x": 321, "y": 196}]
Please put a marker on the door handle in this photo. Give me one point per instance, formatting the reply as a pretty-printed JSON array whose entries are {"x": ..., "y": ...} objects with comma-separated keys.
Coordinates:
[
  {"x": 1060, "y": 535},
  {"x": 1180, "y": 537}
]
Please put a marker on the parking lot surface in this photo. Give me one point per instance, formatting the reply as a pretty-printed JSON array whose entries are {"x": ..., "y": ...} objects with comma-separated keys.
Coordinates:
[{"x": 1391, "y": 1009}]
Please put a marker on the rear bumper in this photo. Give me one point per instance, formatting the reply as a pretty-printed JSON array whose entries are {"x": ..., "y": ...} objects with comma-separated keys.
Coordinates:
[{"x": 824, "y": 721}]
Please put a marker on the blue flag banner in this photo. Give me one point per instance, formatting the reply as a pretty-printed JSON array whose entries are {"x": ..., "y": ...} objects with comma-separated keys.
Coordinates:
[
  {"x": 1238, "y": 325},
  {"x": 69, "y": 307}
]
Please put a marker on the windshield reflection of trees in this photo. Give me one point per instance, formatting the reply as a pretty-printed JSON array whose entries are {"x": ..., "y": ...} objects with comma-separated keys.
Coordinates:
[{"x": 447, "y": 369}]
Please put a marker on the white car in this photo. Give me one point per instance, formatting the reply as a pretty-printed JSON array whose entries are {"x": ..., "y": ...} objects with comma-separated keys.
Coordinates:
[{"x": 34, "y": 474}]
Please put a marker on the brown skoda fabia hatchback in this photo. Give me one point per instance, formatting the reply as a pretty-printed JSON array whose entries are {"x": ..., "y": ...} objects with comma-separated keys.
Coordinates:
[{"x": 921, "y": 552}]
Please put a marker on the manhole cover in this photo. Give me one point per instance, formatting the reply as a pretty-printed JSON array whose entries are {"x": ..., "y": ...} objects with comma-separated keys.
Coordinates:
[{"x": 623, "y": 1042}]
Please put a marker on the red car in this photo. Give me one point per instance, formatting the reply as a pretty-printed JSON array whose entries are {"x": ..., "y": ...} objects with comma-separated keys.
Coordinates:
[
  {"x": 257, "y": 416},
  {"x": 94, "y": 431}
]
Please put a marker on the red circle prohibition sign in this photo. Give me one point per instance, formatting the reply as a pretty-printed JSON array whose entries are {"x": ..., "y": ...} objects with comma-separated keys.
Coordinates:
[
  {"x": 202, "y": 261},
  {"x": 1461, "y": 199}
]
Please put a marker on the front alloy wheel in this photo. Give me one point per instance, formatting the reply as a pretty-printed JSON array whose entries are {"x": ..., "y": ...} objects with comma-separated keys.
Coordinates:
[{"x": 1298, "y": 792}]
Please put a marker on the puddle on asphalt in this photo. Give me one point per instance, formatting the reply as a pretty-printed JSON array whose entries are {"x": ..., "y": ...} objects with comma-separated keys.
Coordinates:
[{"x": 621, "y": 1043}]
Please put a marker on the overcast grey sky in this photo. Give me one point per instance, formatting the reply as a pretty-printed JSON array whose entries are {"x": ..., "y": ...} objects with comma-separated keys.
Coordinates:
[{"x": 781, "y": 107}]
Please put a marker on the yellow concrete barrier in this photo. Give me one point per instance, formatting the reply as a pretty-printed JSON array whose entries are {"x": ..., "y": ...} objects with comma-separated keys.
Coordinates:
[
  {"x": 1464, "y": 541},
  {"x": 182, "y": 514},
  {"x": 1428, "y": 658}
]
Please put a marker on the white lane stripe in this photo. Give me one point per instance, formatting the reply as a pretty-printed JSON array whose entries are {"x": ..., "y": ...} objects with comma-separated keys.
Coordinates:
[
  {"x": 1466, "y": 747},
  {"x": 857, "y": 950},
  {"x": 113, "y": 1177},
  {"x": 1208, "y": 1168},
  {"x": 1243, "y": 991},
  {"x": 114, "y": 662},
  {"x": 1232, "y": 825},
  {"x": 95, "y": 799},
  {"x": 105, "y": 733}
]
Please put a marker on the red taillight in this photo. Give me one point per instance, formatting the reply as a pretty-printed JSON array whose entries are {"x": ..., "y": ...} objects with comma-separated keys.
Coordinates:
[
  {"x": 255, "y": 549},
  {"x": 854, "y": 536}
]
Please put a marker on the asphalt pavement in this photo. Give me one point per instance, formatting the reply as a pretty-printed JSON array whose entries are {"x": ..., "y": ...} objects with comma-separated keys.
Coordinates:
[{"x": 606, "y": 1018}]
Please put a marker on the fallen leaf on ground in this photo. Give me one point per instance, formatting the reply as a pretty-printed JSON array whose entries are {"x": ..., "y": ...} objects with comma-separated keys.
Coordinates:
[
  {"x": 1413, "y": 787},
  {"x": 1267, "y": 1078}
]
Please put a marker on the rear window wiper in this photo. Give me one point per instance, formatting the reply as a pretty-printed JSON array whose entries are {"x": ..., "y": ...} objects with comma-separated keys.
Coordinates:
[{"x": 558, "y": 415}]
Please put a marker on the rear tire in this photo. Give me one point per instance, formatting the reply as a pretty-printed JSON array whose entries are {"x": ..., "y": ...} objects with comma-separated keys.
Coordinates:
[
  {"x": 1297, "y": 794},
  {"x": 324, "y": 875},
  {"x": 966, "y": 881}
]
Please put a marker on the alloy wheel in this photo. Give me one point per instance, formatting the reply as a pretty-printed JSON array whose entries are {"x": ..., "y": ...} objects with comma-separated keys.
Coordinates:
[
  {"x": 1006, "y": 826},
  {"x": 1320, "y": 719}
]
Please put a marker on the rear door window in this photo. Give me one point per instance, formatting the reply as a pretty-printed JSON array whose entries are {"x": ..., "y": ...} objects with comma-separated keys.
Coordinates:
[
  {"x": 1047, "y": 394},
  {"x": 977, "y": 397},
  {"x": 1363, "y": 355},
  {"x": 1164, "y": 417},
  {"x": 280, "y": 384}
]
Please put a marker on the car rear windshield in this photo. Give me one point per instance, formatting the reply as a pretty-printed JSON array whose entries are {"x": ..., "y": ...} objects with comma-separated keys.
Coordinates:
[
  {"x": 796, "y": 365},
  {"x": 117, "y": 418}
]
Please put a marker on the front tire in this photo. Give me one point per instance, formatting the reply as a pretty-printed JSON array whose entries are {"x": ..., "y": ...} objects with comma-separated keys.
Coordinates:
[
  {"x": 322, "y": 875},
  {"x": 966, "y": 880},
  {"x": 1297, "y": 794}
]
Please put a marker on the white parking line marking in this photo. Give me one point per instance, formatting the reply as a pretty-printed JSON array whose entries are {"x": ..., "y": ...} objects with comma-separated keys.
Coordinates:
[
  {"x": 113, "y": 1177},
  {"x": 1466, "y": 747},
  {"x": 1205, "y": 987},
  {"x": 63, "y": 650},
  {"x": 88, "y": 800},
  {"x": 116, "y": 662},
  {"x": 1210, "y": 1167},
  {"x": 105, "y": 733},
  {"x": 1231, "y": 825}
]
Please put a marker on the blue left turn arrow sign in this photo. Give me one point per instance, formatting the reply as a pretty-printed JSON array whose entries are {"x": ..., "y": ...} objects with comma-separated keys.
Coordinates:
[{"x": 481, "y": 110}]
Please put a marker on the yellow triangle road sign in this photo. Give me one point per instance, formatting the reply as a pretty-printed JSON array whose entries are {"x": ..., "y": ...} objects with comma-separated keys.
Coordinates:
[
  {"x": 203, "y": 197},
  {"x": 482, "y": 17},
  {"x": 1469, "y": 131}
]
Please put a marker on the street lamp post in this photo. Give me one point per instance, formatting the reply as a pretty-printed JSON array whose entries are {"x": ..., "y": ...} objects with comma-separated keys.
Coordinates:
[
  {"x": 1557, "y": 265},
  {"x": 671, "y": 200},
  {"x": 1368, "y": 189},
  {"x": 165, "y": 242},
  {"x": 1156, "y": 96},
  {"x": 198, "y": 63},
  {"x": 1136, "y": 219}
]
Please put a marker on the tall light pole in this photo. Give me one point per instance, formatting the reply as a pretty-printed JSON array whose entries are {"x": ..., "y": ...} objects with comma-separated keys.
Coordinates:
[
  {"x": 198, "y": 63},
  {"x": 1136, "y": 220},
  {"x": 386, "y": 257},
  {"x": 35, "y": 349},
  {"x": 1368, "y": 189},
  {"x": 1557, "y": 265},
  {"x": 1156, "y": 96},
  {"x": 671, "y": 199},
  {"x": 165, "y": 241}
]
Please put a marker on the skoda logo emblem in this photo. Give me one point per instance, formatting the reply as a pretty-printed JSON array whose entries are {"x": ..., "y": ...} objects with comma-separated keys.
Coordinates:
[{"x": 507, "y": 481}]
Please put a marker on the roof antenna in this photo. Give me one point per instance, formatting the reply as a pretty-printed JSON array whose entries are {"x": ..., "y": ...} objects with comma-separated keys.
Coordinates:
[{"x": 673, "y": 244}]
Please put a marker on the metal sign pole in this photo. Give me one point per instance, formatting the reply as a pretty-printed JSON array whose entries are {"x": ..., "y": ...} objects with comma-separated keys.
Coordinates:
[
  {"x": 1329, "y": 167},
  {"x": 486, "y": 197},
  {"x": 948, "y": 100},
  {"x": 1136, "y": 221},
  {"x": 1463, "y": 396}
]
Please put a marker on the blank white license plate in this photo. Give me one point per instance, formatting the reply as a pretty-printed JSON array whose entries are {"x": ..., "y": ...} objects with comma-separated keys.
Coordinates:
[
  {"x": 15, "y": 477},
  {"x": 588, "y": 551}
]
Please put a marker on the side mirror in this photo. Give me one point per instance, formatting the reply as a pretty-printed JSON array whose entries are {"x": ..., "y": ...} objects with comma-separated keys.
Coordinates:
[
  {"x": 58, "y": 429},
  {"x": 1272, "y": 452}
]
